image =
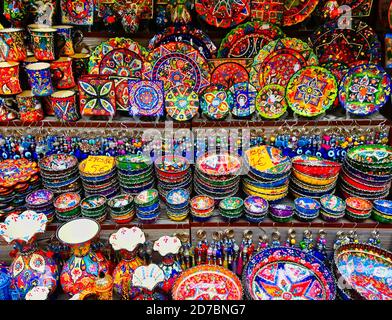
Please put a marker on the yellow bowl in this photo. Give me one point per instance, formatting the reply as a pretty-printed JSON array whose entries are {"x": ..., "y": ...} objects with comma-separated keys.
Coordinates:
[
  {"x": 313, "y": 180},
  {"x": 268, "y": 191},
  {"x": 265, "y": 196}
]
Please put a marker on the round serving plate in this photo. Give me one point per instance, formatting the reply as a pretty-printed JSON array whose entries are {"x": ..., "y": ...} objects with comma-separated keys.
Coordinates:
[
  {"x": 216, "y": 102},
  {"x": 181, "y": 103},
  {"x": 271, "y": 102}
]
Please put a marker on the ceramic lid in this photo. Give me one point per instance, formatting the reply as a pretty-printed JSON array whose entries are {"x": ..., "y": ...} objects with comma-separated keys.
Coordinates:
[
  {"x": 127, "y": 238},
  {"x": 147, "y": 276},
  {"x": 167, "y": 245}
]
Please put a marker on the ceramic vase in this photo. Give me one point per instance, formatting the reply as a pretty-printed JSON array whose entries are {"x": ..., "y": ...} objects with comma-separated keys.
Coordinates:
[
  {"x": 148, "y": 279},
  {"x": 62, "y": 75},
  {"x": 9, "y": 78},
  {"x": 43, "y": 40},
  {"x": 12, "y": 46},
  {"x": 127, "y": 242},
  {"x": 40, "y": 78},
  {"x": 82, "y": 269},
  {"x": 32, "y": 266},
  {"x": 64, "y": 105},
  {"x": 30, "y": 107}
]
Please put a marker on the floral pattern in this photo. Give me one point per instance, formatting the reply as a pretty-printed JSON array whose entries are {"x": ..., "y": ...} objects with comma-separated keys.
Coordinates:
[
  {"x": 216, "y": 104},
  {"x": 270, "y": 101},
  {"x": 78, "y": 12}
]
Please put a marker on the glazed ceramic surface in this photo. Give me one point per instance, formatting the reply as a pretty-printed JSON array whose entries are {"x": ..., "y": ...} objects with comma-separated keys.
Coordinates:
[{"x": 219, "y": 164}]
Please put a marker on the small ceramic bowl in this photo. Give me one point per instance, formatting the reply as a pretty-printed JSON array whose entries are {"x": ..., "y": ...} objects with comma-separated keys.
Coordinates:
[
  {"x": 121, "y": 203},
  {"x": 281, "y": 212},
  {"x": 331, "y": 217},
  {"x": 307, "y": 206},
  {"x": 383, "y": 206},
  {"x": 147, "y": 197},
  {"x": 381, "y": 217},
  {"x": 177, "y": 198},
  {"x": 358, "y": 204},
  {"x": 93, "y": 203},
  {"x": 332, "y": 204},
  {"x": 67, "y": 202},
  {"x": 40, "y": 198}
]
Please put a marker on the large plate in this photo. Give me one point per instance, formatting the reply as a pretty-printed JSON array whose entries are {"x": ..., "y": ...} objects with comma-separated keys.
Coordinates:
[
  {"x": 271, "y": 102},
  {"x": 219, "y": 164},
  {"x": 228, "y": 72},
  {"x": 182, "y": 103},
  {"x": 296, "y": 11},
  {"x": 376, "y": 154},
  {"x": 284, "y": 273},
  {"x": 146, "y": 98}
]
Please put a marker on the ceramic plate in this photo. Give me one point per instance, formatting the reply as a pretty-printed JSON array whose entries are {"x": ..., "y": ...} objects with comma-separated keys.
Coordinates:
[
  {"x": 297, "y": 11},
  {"x": 146, "y": 98},
  {"x": 228, "y": 72},
  {"x": 216, "y": 103},
  {"x": 181, "y": 103},
  {"x": 271, "y": 102},
  {"x": 244, "y": 95},
  {"x": 17, "y": 171}
]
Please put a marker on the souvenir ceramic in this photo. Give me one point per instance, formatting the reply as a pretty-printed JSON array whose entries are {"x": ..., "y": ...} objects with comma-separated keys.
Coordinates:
[
  {"x": 311, "y": 91},
  {"x": 40, "y": 78},
  {"x": 339, "y": 70},
  {"x": 219, "y": 164},
  {"x": 12, "y": 47},
  {"x": 62, "y": 75},
  {"x": 122, "y": 208},
  {"x": 31, "y": 266},
  {"x": 267, "y": 10},
  {"x": 231, "y": 208},
  {"x": 271, "y": 102},
  {"x": 202, "y": 207},
  {"x": 181, "y": 103},
  {"x": 66, "y": 33},
  {"x": 80, "y": 64},
  {"x": 384, "y": 206},
  {"x": 81, "y": 269},
  {"x": 64, "y": 105},
  {"x": 80, "y": 12},
  {"x": 278, "y": 60},
  {"x": 244, "y": 95},
  {"x": 364, "y": 89},
  {"x": 15, "y": 11},
  {"x": 247, "y": 39},
  {"x": 365, "y": 268},
  {"x": 94, "y": 207},
  {"x": 178, "y": 64},
  {"x": 148, "y": 280},
  {"x": 296, "y": 12},
  {"x": 177, "y": 203},
  {"x": 43, "y": 43},
  {"x": 146, "y": 98},
  {"x": 281, "y": 212},
  {"x": 38, "y": 293},
  {"x": 9, "y": 78},
  {"x": 315, "y": 166},
  {"x": 207, "y": 282},
  {"x": 216, "y": 103},
  {"x": 266, "y": 273},
  {"x": 7, "y": 110},
  {"x": 228, "y": 72},
  {"x": 147, "y": 206},
  {"x": 121, "y": 87},
  {"x": 30, "y": 107}
]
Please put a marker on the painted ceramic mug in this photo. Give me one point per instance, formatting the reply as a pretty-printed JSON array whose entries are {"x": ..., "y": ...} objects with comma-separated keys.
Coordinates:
[
  {"x": 65, "y": 32},
  {"x": 62, "y": 75},
  {"x": 12, "y": 46},
  {"x": 40, "y": 78},
  {"x": 43, "y": 43},
  {"x": 64, "y": 105},
  {"x": 7, "y": 112},
  {"x": 9, "y": 78},
  {"x": 30, "y": 107},
  {"x": 80, "y": 64}
]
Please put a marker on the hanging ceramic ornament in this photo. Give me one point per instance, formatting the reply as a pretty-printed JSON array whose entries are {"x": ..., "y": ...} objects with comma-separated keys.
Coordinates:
[
  {"x": 181, "y": 103},
  {"x": 244, "y": 95},
  {"x": 271, "y": 102},
  {"x": 297, "y": 11},
  {"x": 79, "y": 12}
]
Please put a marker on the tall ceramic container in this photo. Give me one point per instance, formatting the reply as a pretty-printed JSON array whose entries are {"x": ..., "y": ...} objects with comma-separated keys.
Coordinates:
[
  {"x": 84, "y": 266},
  {"x": 126, "y": 241},
  {"x": 9, "y": 78},
  {"x": 40, "y": 78},
  {"x": 62, "y": 75},
  {"x": 12, "y": 46},
  {"x": 43, "y": 43},
  {"x": 32, "y": 266}
]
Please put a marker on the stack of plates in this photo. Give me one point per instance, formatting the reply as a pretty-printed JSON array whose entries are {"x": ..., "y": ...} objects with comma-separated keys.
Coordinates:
[
  {"x": 177, "y": 204},
  {"x": 60, "y": 173},
  {"x": 313, "y": 177},
  {"x": 94, "y": 207},
  {"x": 367, "y": 172},
  {"x": 217, "y": 175},
  {"x": 67, "y": 207},
  {"x": 306, "y": 209},
  {"x": 382, "y": 211},
  {"x": 256, "y": 208},
  {"x": 147, "y": 206},
  {"x": 18, "y": 178},
  {"x": 332, "y": 207},
  {"x": 135, "y": 173},
  {"x": 358, "y": 209},
  {"x": 281, "y": 212},
  {"x": 202, "y": 207},
  {"x": 173, "y": 172},
  {"x": 231, "y": 208},
  {"x": 41, "y": 201},
  {"x": 99, "y": 176},
  {"x": 268, "y": 173},
  {"x": 122, "y": 208}
]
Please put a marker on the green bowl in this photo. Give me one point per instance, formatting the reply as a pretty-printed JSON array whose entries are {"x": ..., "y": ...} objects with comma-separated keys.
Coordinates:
[
  {"x": 147, "y": 198},
  {"x": 133, "y": 162}
]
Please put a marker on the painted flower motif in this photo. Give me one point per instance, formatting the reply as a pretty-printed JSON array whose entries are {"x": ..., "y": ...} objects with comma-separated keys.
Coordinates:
[
  {"x": 363, "y": 89},
  {"x": 98, "y": 98},
  {"x": 310, "y": 90}
]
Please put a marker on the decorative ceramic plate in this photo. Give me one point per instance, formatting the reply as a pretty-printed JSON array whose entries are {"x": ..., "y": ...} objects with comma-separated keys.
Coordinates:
[
  {"x": 367, "y": 269},
  {"x": 223, "y": 13},
  {"x": 339, "y": 70},
  {"x": 277, "y": 61},
  {"x": 77, "y": 12},
  {"x": 244, "y": 95},
  {"x": 256, "y": 204},
  {"x": 216, "y": 103},
  {"x": 219, "y": 164},
  {"x": 267, "y": 10},
  {"x": 365, "y": 89},
  {"x": 227, "y": 72},
  {"x": 17, "y": 171},
  {"x": 284, "y": 273},
  {"x": 181, "y": 103},
  {"x": 311, "y": 91},
  {"x": 297, "y": 11},
  {"x": 371, "y": 154},
  {"x": 118, "y": 56},
  {"x": 352, "y": 46},
  {"x": 58, "y": 162},
  {"x": 207, "y": 282},
  {"x": 146, "y": 98},
  {"x": 178, "y": 64},
  {"x": 271, "y": 102},
  {"x": 246, "y": 40}
]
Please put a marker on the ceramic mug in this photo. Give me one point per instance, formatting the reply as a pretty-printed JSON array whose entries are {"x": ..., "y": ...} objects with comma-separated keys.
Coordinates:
[
  {"x": 7, "y": 111},
  {"x": 64, "y": 105},
  {"x": 43, "y": 40},
  {"x": 65, "y": 32},
  {"x": 12, "y": 46},
  {"x": 47, "y": 105},
  {"x": 9, "y": 78},
  {"x": 40, "y": 78},
  {"x": 30, "y": 107},
  {"x": 62, "y": 75},
  {"x": 80, "y": 64}
]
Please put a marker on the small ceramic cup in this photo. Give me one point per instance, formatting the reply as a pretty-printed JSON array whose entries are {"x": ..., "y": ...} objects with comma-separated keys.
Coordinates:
[
  {"x": 43, "y": 43},
  {"x": 40, "y": 78},
  {"x": 30, "y": 107},
  {"x": 66, "y": 34},
  {"x": 62, "y": 75},
  {"x": 80, "y": 64},
  {"x": 12, "y": 46},
  {"x": 7, "y": 112},
  {"x": 9, "y": 78},
  {"x": 64, "y": 105}
]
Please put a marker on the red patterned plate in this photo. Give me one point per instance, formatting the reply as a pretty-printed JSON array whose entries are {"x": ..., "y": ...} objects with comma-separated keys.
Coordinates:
[
  {"x": 297, "y": 11},
  {"x": 227, "y": 72}
]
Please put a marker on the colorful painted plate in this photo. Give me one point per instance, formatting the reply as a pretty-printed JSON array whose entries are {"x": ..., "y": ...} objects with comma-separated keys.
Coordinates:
[
  {"x": 146, "y": 98},
  {"x": 216, "y": 103},
  {"x": 58, "y": 162},
  {"x": 228, "y": 72},
  {"x": 207, "y": 282},
  {"x": 247, "y": 39},
  {"x": 373, "y": 155},
  {"x": 244, "y": 95},
  {"x": 339, "y": 70},
  {"x": 178, "y": 64},
  {"x": 311, "y": 91},
  {"x": 181, "y": 103},
  {"x": 256, "y": 204},
  {"x": 271, "y": 102},
  {"x": 17, "y": 171},
  {"x": 365, "y": 89},
  {"x": 219, "y": 164},
  {"x": 297, "y": 11},
  {"x": 277, "y": 61}
]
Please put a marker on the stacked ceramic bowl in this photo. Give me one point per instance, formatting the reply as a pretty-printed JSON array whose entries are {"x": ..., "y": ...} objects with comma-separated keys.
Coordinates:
[
  {"x": 358, "y": 209},
  {"x": 367, "y": 172},
  {"x": 313, "y": 177},
  {"x": 382, "y": 211},
  {"x": 177, "y": 204},
  {"x": 173, "y": 172},
  {"x": 147, "y": 206},
  {"x": 202, "y": 208},
  {"x": 94, "y": 207},
  {"x": 135, "y": 173},
  {"x": 231, "y": 208},
  {"x": 99, "y": 176},
  {"x": 306, "y": 209},
  {"x": 41, "y": 201},
  {"x": 67, "y": 207},
  {"x": 267, "y": 174},
  {"x": 332, "y": 208},
  {"x": 281, "y": 212},
  {"x": 121, "y": 208},
  {"x": 256, "y": 208},
  {"x": 60, "y": 173}
]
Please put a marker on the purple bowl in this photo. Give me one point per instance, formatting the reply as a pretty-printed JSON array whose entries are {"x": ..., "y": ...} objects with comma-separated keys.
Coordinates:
[
  {"x": 40, "y": 198},
  {"x": 281, "y": 212}
]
